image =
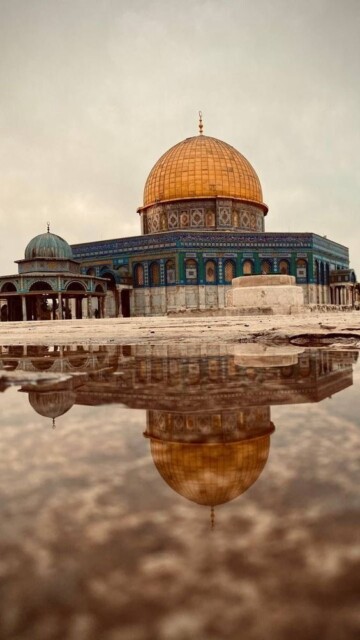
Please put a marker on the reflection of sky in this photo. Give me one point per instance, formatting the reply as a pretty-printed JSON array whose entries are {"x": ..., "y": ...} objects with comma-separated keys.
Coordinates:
[{"x": 89, "y": 528}]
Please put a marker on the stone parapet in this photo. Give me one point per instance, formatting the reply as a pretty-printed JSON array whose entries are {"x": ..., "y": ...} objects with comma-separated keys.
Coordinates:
[
  {"x": 263, "y": 281},
  {"x": 278, "y": 294}
]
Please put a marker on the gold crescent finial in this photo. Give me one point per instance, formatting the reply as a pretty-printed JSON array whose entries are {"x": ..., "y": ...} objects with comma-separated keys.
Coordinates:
[
  {"x": 212, "y": 517},
  {"x": 48, "y": 227},
  {"x": 201, "y": 126}
]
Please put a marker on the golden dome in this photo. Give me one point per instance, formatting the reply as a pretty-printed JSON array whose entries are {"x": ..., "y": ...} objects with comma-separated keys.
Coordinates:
[
  {"x": 202, "y": 167},
  {"x": 211, "y": 474}
]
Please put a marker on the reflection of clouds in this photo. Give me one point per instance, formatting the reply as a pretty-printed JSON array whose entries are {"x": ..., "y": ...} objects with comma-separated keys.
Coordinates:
[{"x": 87, "y": 525}]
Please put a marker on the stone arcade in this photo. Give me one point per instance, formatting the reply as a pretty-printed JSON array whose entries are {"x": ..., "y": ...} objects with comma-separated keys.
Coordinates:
[{"x": 49, "y": 284}]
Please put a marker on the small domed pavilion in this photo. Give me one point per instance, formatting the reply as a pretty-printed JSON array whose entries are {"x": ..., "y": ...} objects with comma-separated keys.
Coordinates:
[{"x": 50, "y": 285}]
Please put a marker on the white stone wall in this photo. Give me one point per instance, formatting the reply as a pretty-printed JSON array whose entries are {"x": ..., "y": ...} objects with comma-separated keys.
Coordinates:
[
  {"x": 161, "y": 300},
  {"x": 157, "y": 301},
  {"x": 316, "y": 294}
]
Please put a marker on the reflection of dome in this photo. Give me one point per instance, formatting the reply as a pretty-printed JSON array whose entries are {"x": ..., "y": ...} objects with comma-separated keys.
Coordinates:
[
  {"x": 202, "y": 167},
  {"x": 48, "y": 245},
  {"x": 211, "y": 474},
  {"x": 52, "y": 404}
]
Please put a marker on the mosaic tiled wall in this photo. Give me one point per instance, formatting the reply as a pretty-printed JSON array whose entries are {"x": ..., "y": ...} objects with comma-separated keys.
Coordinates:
[{"x": 203, "y": 214}]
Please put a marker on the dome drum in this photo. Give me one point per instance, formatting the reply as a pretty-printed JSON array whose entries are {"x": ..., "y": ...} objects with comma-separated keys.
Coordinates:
[
  {"x": 200, "y": 427},
  {"x": 215, "y": 214}
]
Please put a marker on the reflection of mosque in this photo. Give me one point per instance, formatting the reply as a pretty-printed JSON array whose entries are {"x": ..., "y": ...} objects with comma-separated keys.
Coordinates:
[{"x": 208, "y": 411}]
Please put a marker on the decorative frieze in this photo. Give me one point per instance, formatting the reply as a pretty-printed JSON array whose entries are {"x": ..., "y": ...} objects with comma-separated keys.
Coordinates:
[{"x": 203, "y": 214}]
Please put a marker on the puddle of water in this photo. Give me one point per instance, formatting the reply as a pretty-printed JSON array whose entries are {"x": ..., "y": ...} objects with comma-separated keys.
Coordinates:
[{"x": 179, "y": 493}]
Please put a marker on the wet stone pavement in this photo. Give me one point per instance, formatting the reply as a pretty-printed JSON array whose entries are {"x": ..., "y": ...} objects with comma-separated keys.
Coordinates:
[{"x": 179, "y": 492}]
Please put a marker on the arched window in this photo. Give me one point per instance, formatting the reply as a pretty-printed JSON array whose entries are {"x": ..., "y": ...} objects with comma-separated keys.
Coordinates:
[
  {"x": 210, "y": 272},
  {"x": 265, "y": 267},
  {"x": 229, "y": 271},
  {"x": 139, "y": 275},
  {"x": 248, "y": 267},
  {"x": 301, "y": 268},
  {"x": 90, "y": 271},
  {"x": 170, "y": 272},
  {"x": 154, "y": 274},
  {"x": 191, "y": 271},
  {"x": 284, "y": 267},
  {"x": 40, "y": 286},
  {"x": 111, "y": 282},
  {"x": 75, "y": 286},
  {"x": 7, "y": 287}
]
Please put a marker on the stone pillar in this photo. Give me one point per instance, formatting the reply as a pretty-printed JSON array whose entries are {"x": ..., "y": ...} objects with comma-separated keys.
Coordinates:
[
  {"x": 23, "y": 306},
  {"x": 181, "y": 298},
  {"x": 202, "y": 301},
  {"x": 147, "y": 302},
  {"x": 162, "y": 291},
  {"x": 221, "y": 296},
  {"x": 60, "y": 306},
  {"x": 89, "y": 306},
  {"x": 132, "y": 303}
]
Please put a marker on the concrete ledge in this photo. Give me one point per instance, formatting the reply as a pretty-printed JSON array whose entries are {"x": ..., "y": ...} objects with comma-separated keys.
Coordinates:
[{"x": 263, "y": 281}]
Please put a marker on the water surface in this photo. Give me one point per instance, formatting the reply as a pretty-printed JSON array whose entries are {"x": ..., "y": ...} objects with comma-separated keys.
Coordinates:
[{"x": 175, "y": 493}]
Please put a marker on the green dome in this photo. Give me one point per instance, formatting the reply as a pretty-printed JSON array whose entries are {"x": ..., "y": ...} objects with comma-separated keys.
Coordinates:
[
  {"x": 52, "y": 404},
  {"x": 48, "y": 245}
]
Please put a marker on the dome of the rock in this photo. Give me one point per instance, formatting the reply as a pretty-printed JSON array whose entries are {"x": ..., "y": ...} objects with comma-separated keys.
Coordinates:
[
  {"x": 200, "y": 167},
  {"x": 48, "y": 245},
  {"x": 211, "y": 474}
]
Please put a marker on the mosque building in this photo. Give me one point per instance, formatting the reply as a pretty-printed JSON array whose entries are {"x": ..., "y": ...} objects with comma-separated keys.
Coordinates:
[{"x": 202, "y": 224}]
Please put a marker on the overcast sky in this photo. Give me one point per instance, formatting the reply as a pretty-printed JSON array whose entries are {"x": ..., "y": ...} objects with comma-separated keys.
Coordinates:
[{"x": 94, "y": 91}]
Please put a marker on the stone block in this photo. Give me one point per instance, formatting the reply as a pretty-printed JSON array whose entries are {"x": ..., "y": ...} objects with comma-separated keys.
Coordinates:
[{"x": 268, "y": 296}]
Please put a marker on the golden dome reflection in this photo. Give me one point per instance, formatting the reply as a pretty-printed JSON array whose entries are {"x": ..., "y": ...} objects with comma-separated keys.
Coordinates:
[
  {"x": 199, "y": 167},
  {"x": 211, "y": 474}
]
